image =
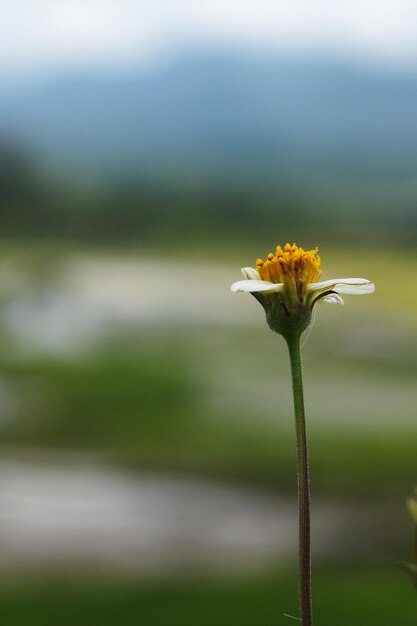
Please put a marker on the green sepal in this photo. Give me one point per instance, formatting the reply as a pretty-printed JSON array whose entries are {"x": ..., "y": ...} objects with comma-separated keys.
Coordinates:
[{"x": 286, "y": 321}]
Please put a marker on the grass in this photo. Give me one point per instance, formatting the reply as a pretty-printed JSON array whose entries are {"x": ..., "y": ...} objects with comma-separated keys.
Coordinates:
[{"x": 341, "y": 598}]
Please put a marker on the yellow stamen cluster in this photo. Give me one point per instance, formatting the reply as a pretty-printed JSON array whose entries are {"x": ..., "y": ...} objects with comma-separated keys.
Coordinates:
[{"x": 291, "y": 264}]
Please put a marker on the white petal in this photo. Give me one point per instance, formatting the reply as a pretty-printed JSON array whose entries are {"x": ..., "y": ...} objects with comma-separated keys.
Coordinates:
[
  {"x": 352, "y": 286},
  {"x": 250, "y": 274},
  {"x": 335, "y": 282},
  {"x": 254, "y": 286},
  {"x": 355, "y": 289},
  {"x": 333, "y": 298}
]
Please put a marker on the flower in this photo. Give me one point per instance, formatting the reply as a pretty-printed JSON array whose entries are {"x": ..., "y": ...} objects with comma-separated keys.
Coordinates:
[{"x": 287, "y": 286}]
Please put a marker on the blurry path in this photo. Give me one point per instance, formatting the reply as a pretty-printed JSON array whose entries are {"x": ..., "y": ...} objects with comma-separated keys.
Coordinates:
[
  {"x": 65, "y": 515},
  {"x": 90, "y": 296}
]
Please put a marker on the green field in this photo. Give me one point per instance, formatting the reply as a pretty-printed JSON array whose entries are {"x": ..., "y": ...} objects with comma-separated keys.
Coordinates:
[
  {"x": 198, "y": 386},
  {"x": 341, "y": 598}
]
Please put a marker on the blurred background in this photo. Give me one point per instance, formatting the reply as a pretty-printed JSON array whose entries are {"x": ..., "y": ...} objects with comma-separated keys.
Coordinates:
[{"x": 148, "y": 150}]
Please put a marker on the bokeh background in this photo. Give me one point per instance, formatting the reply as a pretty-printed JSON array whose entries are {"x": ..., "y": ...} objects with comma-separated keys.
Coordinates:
[{"x": 148, "y": 150}]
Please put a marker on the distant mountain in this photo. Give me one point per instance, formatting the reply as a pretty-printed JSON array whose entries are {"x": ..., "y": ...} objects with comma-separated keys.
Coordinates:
[{"x": 222, "y": 116}]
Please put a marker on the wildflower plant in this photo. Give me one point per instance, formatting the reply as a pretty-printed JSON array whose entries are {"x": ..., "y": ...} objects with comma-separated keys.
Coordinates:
[{"x": 288, "y": 286}]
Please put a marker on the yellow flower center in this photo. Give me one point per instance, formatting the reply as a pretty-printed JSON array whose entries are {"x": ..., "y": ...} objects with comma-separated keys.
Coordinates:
[{"x": 291, "y": 265}]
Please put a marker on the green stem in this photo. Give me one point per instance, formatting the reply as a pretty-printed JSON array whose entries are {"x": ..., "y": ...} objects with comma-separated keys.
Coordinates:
[{"x": 303, "y": 472}]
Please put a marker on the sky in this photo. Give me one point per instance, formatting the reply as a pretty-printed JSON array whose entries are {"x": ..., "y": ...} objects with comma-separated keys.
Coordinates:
[{"x": 121, "y": 34}]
